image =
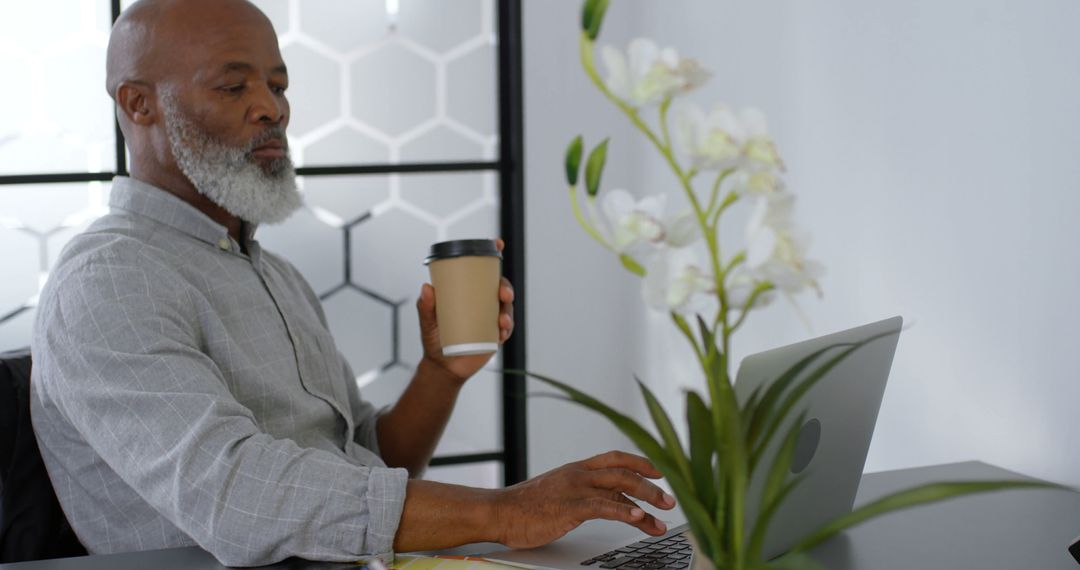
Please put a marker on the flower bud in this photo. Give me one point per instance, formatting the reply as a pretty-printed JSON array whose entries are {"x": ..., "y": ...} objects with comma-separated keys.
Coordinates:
[
  {"x": 592, "y": 15},
  {"x": 573, "y": 160},
  {"x": 594, "y": 167}
]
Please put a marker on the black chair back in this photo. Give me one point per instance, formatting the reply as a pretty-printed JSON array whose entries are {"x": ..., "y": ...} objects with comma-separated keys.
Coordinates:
[{"x": 32, "y": 525}]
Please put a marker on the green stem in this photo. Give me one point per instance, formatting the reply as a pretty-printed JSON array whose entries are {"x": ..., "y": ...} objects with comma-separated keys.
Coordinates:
[
  {"x": 664, "y": 123},
  {"x": 761, "y": 289},
  {"x": 588, "y": 62},
  {"x": 585, "y": 223},
  {"x": 736, "y": 261},
  {"x": 723, "y": 404},
  {"x": 715, "y": 194},
  {"x": 736, "y": 440},
  {"x": 730, "y": 199},
  {"x": 683, "y": 326}
]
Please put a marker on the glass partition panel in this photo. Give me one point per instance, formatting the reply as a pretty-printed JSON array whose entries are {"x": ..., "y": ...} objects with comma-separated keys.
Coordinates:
[
  {"x": 36, "y": 221},
  {"x": 368, "y": 85},
  {"x": 54, "y": 113},
  {"x": 361, "y": 241},
  {"x": 372, "y": 83},
  {"x": 488, "y": 474}
]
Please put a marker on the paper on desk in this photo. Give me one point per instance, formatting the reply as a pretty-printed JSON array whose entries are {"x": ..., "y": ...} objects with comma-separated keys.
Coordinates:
[{"x": 402, "y": 562}]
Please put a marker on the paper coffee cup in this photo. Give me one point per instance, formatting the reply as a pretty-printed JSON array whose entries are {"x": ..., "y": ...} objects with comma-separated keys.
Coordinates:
[{"x": 466, "y": 276}]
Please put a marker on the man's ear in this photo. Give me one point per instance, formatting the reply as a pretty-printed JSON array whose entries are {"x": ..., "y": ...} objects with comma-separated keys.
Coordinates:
[{"x": 134, "y": 100}]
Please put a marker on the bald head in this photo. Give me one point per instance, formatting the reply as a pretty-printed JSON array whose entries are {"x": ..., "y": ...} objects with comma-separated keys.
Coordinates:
[{"x": 153, "y": 40}]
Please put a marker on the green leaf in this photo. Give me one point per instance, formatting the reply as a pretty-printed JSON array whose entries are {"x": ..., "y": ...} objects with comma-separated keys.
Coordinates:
[
  {"x": 763, "y": 411},
  {"x": 641, "y": 438},
  {"x": 747, "y": 412},
  {"x": 796, "y": 561},
  {"x": 800, "y": 390},
  {"x": 573, "y": 160},
  {"x": 921, "y": 495},
  {"x": 702, "y": 449},
  {"x": 775, "y": 489},
  {"x": 684, "y": 327},
  {"x": 766, "y": 516},
  {"x": 667, "y": 432},
  {"x": 592, "y": 15},
  {"x": 708, "y": 337},
  {"x": 695, "y": 512},
  {"x": 792, "y": 398},
  {"x": 594, "y": 168},
  {"x": 782, "y": 462}
]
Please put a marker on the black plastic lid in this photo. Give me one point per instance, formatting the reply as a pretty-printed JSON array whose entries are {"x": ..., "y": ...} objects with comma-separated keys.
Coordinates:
[{"x": 462, "y": 248}]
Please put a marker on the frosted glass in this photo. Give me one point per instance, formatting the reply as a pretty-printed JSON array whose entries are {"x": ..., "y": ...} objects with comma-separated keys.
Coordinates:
[
  {"x": 471, "y": 90},
  {"x": 366, "y": 88},
  {"x": 36, "y": 221},
  {"x": 393, "y": 89},
  {"x": 314, "y": 88},
  {"x": 345, "y": 25},
  {"x": 420, "y": 87},
  {"x": 446, "y": 195},
  {"x": 441, "y": 25},
  {"x": 343, "y": 145},
  {"x": 299, "y": 236},
  {"x": 59, "y": 118},
  {"x": 392, "y": 221},
  {"x": 487, "y": 475}
]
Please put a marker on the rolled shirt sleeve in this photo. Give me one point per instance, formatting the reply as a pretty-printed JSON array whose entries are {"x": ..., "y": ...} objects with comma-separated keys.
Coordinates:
[{"x": 157, "y": 427}]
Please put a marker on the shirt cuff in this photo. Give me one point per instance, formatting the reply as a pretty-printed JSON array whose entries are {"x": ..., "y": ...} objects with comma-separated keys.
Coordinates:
[{"x": 385, "y": 501}]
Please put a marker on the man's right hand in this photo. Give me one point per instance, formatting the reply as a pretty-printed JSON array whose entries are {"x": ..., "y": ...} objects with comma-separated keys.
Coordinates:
[{"x": 548, "y": 506}]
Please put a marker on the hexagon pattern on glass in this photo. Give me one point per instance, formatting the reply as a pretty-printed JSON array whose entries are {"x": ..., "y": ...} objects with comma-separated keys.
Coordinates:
[{"x": 43, "y": 128}]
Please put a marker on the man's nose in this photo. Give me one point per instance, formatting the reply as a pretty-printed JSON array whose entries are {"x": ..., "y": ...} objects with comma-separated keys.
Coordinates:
[{"x": 268, "y": 107}]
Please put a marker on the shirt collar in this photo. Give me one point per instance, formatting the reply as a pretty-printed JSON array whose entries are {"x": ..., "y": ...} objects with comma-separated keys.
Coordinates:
[{"x": 162, "y": 206}]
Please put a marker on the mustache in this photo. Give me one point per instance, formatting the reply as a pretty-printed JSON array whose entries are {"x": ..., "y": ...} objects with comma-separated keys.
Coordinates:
[{"x": 271, "y": 133}]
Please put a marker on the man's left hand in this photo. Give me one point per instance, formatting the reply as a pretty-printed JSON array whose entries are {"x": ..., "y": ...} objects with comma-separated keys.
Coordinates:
[{"x": 461, "y": 368}]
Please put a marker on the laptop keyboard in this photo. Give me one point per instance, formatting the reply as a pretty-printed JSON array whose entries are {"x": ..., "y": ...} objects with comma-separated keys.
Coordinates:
[{"x": 671, "y": 550}]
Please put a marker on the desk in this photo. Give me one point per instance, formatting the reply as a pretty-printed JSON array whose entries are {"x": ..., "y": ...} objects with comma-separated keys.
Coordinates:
[{"x": 1011, "y": 530}]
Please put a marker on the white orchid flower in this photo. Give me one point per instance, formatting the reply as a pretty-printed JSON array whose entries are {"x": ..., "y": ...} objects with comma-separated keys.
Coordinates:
[
  {"x": 776, "y": 250},
  {"x": 674, "y": 276},
  {"x": 631, "y": 221},
  {"x": 721, "y": 139},
  {"x": 682, "y": 230},
  {"x": 626, "y": 222},
  {"x": 712, "y": 141},
  {"x": 759, "y": 150},
  {"x": 648, "y": 75},
  {"x": 757, "y": 182}
]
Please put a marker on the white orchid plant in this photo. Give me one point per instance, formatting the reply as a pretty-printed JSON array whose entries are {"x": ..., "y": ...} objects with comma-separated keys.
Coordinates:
[{"x": 709, "y": 292}]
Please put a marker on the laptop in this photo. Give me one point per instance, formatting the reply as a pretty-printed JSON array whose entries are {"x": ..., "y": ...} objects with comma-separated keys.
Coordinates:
[{"x": 841, "y": 411}]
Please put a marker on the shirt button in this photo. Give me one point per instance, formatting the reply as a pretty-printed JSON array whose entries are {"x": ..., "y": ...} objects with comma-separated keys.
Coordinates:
[{"x": 223, "y": 243}]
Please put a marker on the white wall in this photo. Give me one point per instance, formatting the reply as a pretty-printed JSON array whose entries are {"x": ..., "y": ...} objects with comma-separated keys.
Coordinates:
[
  {"x": 583, "y": 321},
  {"x": 931, "y": 145}
]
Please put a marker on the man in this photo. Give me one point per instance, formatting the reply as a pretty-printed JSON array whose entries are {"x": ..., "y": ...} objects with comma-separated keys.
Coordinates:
[{"x": 186, "y": 389}]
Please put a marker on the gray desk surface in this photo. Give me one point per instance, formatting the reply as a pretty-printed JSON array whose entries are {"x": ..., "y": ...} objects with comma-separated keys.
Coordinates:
[{"x": 1011, "y": 530}]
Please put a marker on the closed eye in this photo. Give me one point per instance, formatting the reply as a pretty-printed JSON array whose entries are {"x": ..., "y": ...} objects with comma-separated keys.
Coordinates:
[{"x": 238, "y": 88}]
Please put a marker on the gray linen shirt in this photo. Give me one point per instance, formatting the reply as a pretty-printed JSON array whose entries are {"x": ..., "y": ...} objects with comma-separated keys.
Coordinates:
[{"x": 185, "y": 393}]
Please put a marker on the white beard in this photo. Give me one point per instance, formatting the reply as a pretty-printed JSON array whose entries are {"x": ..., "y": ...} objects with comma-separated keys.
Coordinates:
[{"x": 228, "y": 175}]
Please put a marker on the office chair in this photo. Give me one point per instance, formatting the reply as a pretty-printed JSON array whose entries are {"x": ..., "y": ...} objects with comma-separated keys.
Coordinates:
[{"x": 32, "y": 525}]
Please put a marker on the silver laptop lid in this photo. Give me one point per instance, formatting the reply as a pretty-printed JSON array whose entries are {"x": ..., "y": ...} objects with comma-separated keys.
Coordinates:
[{"x": 841, "y": 411}]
